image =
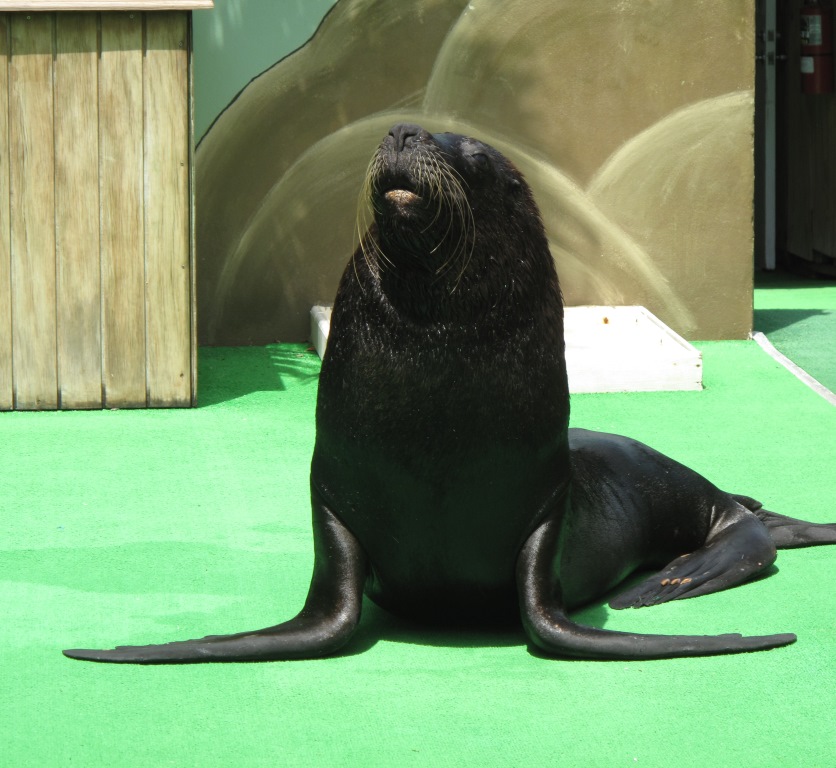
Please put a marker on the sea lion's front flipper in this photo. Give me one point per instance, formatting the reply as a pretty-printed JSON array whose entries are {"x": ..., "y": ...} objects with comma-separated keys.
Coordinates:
[
  {"x": 548, "y": 627},
  {"x": 738, "y": 547},
  {"x": 327, "y": 621}
]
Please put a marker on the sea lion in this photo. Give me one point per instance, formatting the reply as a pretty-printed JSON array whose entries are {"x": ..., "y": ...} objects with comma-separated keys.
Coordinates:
[{"x": 445, "y": 482}]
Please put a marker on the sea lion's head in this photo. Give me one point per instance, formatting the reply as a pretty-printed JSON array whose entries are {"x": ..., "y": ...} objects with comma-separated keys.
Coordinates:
[{"x": 449, "y": 212}]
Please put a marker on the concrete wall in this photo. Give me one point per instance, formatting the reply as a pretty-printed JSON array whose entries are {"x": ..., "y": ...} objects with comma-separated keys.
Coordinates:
[{"x": 631, "y": 120}]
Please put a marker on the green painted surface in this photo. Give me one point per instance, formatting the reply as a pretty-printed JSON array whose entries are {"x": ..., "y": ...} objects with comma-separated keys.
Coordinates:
[
  {"x": 140, "y": 526},
  {"x": 798, "y": 316}
]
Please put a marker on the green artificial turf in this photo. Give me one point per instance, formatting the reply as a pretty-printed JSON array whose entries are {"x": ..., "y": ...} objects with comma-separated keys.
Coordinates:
[
  {"x": 142, "y": 526},
  {"x": 798, "y": 315}
]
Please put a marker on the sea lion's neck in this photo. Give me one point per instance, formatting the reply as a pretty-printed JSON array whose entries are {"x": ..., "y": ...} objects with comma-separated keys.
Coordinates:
[
  {"x": 425, "y": 299},
  {"x": 466, "y": 298}
]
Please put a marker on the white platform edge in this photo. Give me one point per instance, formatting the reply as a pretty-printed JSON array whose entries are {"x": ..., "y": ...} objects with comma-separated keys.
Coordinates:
[
  {"x": 819, "y": 388},
  {"x": 320, "y": 325},
  {"x": 595, "y": 365}
]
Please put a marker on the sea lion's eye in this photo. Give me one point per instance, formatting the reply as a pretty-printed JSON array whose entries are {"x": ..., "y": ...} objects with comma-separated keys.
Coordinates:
[{"x": 480, "y": 160}]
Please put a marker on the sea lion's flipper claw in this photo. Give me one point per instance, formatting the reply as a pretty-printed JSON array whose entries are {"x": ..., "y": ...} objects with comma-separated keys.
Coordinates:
[{"x": 735, "y": 554}]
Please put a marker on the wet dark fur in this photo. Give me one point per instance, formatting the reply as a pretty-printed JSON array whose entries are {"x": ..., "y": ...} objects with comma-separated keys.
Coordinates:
[
  {"x": 423, "y": 361},
  {"x": 445, "y": 483}
]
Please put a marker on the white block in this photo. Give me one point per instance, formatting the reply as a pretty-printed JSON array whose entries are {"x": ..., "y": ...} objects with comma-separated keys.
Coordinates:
[{"x": 627, "y": 349}]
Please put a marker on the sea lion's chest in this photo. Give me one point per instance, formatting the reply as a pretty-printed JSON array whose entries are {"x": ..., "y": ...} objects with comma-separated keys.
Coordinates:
[{"x": 438, "y": 457}]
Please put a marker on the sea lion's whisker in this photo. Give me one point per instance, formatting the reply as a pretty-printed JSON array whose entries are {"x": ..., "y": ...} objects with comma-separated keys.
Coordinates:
[{"x": 462, "y": 218}]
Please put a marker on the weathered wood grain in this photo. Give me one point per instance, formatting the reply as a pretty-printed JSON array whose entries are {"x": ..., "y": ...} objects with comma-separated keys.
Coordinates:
[
  {"x": 77, "y": 211},
  {"x": 122, "y": 220},
  {"x": 167, "y": 267},
  {"x": 31, "y": 146},
  {"x": 96, "y": 223},
  {"x": 6, "y": 391}
]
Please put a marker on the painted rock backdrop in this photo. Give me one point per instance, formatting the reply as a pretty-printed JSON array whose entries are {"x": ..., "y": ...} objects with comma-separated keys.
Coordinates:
[{"x": 632, "y": 122}]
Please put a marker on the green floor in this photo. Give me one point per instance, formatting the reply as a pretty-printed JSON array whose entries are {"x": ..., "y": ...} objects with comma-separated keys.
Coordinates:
[
  {"x": 132, "y": 527},
  {"x": 798, "y": 315}
]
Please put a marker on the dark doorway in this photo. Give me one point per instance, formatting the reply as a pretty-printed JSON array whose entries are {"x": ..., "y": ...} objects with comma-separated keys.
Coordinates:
[{"x": 795, "y": 161}]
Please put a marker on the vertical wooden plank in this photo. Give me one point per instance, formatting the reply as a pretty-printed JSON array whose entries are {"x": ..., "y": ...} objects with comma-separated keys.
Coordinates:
[
  {"x": 122, "y": 220},
  {"x": 77, "y": 210},
  {"x": 6, "y": 399},
  {"x": 31, "y": 145},
  {"x": 168, "y": 278}
]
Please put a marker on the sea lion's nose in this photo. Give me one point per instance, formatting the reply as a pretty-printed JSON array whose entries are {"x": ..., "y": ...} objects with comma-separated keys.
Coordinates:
[{"x": 405, "y": 133}]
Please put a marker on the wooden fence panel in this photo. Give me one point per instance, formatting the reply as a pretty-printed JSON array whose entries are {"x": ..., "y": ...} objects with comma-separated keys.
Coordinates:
[{"x": 96, "y": 222}]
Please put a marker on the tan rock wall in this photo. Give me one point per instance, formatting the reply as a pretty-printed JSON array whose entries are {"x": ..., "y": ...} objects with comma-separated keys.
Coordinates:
[{"x": 632, "y": 121}]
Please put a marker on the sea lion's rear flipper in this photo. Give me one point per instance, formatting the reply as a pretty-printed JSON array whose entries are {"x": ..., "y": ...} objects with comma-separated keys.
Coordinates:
[
  {"x": 736, "y": 550},
  {"x": 787, "y": 532},
  {"x": 552, "y": 631},
  {"x": 324, "y": 625}
]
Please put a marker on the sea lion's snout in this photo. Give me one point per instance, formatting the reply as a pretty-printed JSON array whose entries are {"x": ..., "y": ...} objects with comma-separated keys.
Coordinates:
[
  {"x": 399, "y": 176},
  {"x": 404, "y": 135},
  {"x": 417, "y": 189}
]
